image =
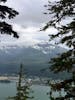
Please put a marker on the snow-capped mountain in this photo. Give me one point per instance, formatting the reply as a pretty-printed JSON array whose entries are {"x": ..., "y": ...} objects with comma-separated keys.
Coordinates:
[{"x": 34, "y": 58}]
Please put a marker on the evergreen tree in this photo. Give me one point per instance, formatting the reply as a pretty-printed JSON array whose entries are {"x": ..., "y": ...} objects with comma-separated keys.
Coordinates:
[
  {"x": 7, "y": 12},
  {"x": 60, "y": 11},
  {"x": 23, "y": 89}
]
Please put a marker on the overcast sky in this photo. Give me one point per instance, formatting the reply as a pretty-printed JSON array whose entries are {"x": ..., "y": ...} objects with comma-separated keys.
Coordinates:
[{"x": 28, "y": 23}]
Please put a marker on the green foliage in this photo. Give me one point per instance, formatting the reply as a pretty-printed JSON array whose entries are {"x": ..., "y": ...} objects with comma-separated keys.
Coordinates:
[
  {"x": 3, "y": 0},
  {"x": 6, "y": 12},
  {"x": 59, "y": 12},
  {"x": 23, "y": 89}
]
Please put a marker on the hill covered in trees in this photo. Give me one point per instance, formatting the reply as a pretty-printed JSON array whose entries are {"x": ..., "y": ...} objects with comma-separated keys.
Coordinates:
[{"x": 35, "y": 59}]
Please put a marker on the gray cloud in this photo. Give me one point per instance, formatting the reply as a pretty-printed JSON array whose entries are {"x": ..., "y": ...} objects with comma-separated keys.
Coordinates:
[
  {"x": 28, "y": 22},
  {"x": 30, "y": 11}
]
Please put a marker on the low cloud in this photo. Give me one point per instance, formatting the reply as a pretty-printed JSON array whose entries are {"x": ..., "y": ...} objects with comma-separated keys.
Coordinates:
[{"x": 27, "y": 24}]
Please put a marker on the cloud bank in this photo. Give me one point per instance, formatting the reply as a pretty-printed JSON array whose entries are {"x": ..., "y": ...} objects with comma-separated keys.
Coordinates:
[{"x": 27, "y": 24}]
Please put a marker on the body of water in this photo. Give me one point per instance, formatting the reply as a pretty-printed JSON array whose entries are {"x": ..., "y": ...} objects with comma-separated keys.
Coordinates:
[{"x": 9, "y": 89}]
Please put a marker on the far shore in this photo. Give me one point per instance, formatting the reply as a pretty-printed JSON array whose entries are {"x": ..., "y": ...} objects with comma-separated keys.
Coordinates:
[{"x": 8, "y": 77}]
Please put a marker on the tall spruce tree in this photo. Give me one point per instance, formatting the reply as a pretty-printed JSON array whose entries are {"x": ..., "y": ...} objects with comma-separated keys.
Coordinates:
[
  {"x": 23, "y": 89},
  {"x": 7, "y": 12},
  {"x": 60, "y": 11}
]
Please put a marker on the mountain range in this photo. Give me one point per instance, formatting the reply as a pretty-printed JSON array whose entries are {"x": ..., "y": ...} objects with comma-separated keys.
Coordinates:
[{"x": 34, "y": 59}]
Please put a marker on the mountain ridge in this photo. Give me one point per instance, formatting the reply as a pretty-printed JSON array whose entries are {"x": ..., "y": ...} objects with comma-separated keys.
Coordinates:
[{"x": 34, "y": 58}]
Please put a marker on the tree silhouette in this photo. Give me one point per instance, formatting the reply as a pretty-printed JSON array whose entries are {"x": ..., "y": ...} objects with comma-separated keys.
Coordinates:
[
  {"x": 23, "y": 89},
  {"x": 6, "y": 12},
  {"x": 60, "y": 11}
]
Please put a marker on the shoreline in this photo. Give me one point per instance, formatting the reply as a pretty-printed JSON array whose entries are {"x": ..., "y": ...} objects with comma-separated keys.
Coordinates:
[{"x": 30, "y": 81}]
